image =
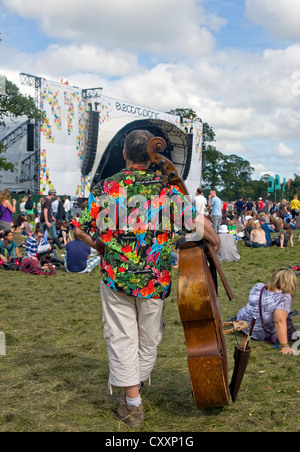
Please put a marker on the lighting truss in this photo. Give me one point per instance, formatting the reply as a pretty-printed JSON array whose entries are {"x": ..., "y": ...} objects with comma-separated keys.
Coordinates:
[
  {"x": 91, "y": 93},
  {"x": 31, "y": 165}
]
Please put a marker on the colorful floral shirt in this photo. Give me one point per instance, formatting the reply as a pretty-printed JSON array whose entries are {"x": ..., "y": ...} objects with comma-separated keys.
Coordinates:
[{"x": 135, "y": 212}]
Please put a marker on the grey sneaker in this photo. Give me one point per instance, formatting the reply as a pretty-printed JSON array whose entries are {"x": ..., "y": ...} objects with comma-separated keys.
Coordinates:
[{"x": 131, "y": 415}]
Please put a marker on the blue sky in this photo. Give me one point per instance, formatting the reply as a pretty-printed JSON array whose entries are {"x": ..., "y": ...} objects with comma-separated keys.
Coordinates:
[
  {"x": 231, "y": 61},
  {"x": 240, "y": 32}
]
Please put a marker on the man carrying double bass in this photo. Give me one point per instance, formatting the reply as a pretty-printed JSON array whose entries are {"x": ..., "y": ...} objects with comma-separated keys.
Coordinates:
[{"x": 136, "y": 266}]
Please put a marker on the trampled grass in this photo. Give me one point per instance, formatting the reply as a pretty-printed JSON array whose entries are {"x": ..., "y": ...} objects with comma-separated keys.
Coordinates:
[{"x": 54, "y": 376}]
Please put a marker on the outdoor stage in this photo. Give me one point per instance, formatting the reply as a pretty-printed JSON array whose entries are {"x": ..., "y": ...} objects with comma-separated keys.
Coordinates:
[{"x": 80, "y": 139}]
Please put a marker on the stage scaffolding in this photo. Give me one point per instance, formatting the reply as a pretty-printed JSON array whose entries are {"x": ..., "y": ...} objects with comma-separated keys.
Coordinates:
[{"x": 30, "y": 167}]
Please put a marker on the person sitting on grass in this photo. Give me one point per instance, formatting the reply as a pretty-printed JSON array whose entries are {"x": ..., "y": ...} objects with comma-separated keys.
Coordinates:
[
  {"x": 63, "y": 232},
  {"x": 249, "y": 227},
  {"x": 78, "y": 260},
  {"x": 228, "y": 248},
  {"x": 257, "y": 237},
  {"x": 9, "y": 249},
  {"x": 265, "y": 227},
  {"x": 33, "y": 266},
  {"x": 26, "y": 228},
  {"x": 270, "y": 304},
  {"x": 37, "y": 245},
  {"x": 286, "y": 236}
]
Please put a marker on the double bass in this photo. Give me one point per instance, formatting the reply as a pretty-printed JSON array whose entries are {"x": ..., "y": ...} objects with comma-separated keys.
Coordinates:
[{"x": 198, "y": 306}]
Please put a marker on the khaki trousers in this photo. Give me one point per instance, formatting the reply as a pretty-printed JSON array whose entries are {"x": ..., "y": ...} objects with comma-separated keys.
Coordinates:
[{"x": 133, "y": 329}]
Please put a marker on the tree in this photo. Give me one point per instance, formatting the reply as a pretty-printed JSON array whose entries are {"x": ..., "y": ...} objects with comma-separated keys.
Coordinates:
[
  {"x": 208, "y": 134},
  {"x": 229, "y": 174},
  {"x": 184, "y": 113},
  {"x": 13, "y": 105},
  {"x": 213, "y": 170},
  {"x": 236, "y": 175},
  {"x": 294, "y": 187}
]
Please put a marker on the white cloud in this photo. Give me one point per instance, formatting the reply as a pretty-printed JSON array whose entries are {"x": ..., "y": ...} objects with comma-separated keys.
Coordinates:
[
  {"x": 166, "y": 28},
  {"x": 261, "y": 170},
  {"x": 280, "y": 17},
  {"x": 285, "y": 151},
  {"x": 68, "y": 59},
  {"x": 73, "y": 58}
]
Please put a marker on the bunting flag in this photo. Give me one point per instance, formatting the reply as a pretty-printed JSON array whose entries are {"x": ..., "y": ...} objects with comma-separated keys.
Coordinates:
[
  {"x": 283, "y": 185},
  {"x": 271, "y": 185},
  {"x": 278, "y": 184}
]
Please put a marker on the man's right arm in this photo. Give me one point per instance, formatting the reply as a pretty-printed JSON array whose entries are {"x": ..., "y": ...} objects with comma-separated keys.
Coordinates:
[
  {"x": 204, "y": 230},
  {"x": 210, "y": 234},
  {"x": 97, "y": 244}
]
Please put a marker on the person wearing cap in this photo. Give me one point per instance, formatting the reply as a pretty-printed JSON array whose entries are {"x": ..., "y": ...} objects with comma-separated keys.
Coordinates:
[
  {"x": 228, "y": 247},
  {"x": 265, "y": 227},
  {"x": 47, "y": 219}
]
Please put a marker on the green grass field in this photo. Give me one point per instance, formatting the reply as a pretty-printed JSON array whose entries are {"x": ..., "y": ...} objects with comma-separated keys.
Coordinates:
[{"x": 54, "y": 376}]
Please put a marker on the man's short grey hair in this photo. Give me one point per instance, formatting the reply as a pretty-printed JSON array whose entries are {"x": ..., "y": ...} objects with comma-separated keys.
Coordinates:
[{"x": 136, "y": 145}]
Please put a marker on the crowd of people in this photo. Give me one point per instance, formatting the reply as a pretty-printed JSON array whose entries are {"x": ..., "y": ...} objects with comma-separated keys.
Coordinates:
[
  {"x": 263, "y": 223},
  {"x": 40, "y": 230}
]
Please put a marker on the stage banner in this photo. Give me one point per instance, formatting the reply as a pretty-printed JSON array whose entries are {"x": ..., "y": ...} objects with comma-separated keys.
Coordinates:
[
  {"x": 271, "y": 185},
  {"x": 63, "y": 136},
  {"x": 277, "y": 183}
]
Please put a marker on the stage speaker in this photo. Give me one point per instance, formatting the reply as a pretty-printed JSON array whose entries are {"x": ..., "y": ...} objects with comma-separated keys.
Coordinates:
[
  {"x": 92, "y": 143},
  {"x": 189, "y": 154},
  {"x": 30, "y": 137}
]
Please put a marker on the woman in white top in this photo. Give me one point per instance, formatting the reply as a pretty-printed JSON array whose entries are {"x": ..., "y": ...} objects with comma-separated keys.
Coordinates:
[
  {"x": 22, "y": 207},
  {"x": 257, "y": 237}
]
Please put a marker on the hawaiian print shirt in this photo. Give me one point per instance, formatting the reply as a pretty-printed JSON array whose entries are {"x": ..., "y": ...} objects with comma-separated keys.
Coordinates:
[{"x": 134, "y": 212}]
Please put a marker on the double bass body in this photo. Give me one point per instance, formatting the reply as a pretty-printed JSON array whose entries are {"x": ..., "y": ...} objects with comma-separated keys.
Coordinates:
[
  {"x": 203, "y": 329},
  {"x": 198, "y": 307}
]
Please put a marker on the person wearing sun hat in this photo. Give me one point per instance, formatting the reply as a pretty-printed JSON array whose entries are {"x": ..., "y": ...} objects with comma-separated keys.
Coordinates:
[{"x": 228, "y": 248}]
